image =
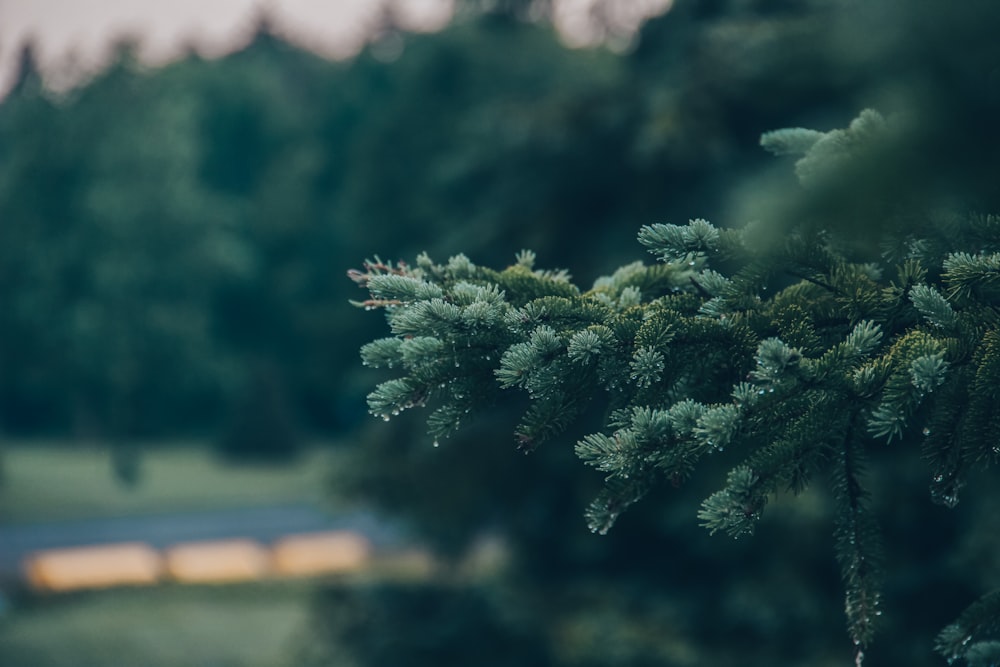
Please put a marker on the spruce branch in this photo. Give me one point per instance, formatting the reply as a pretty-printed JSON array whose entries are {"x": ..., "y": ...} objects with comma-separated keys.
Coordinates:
[
  {"x": 736, "y": 508},
  {"x": 651, "y": 281},
  {"x": 419, "y": 352},
  {"x": 842, "y": 359},
  {"x": 927, "y": 372},
  {"x": 790, "y": 141},
  {"x": 403, "y": 289},
  {"x": 983, "y": 654},
  {"x": 676, "y": 243},
  {"x": 796, "y": 452},
  {"x": 547, "y": 418},
  {"x": 979, "y": 430},
  {"x": 445, "y": 420},
  {"x": 965, "y": 273},
  {"x": 934, "y": 307},
  {"x": 615, "y": 454},
  {"x": 614, "y": 499},
  {"x": 647, "y": 366},
  {"x": 394, "y": 396},
  {"x": 631, "y": 450},
  {"x": 983, "y": 231},
  {"x": 918, "y": 367},
  {"x": 797, "y": 378},
  {"x": 819, "y": 282},
  {"x": 973, "y": 635},
  {"x": 858, "y": 544},
  {"x": 436, "y": 317},
  {"x": 775, "y": 362},
  {"x": 828, "y": 155},
  {"x": 717, "y": 426},
  {"x": 797, "y": 326},
  {"x": 940, "y": 448},
  {"x": 587, "y": 345},
  {"x": 382, "y": 353}
]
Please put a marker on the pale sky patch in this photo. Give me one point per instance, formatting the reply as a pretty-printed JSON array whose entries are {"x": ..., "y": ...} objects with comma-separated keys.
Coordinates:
[
  {"x": 588, "y": 22},
  {"x": 75, "y": 38}
]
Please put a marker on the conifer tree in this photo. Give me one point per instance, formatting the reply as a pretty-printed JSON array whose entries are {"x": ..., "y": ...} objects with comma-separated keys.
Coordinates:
[{"x": 803, "y": 353}]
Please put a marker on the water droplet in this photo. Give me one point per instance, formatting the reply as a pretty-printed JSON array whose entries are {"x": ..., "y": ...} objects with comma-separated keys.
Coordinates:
[
  {"x": 938, "y": 478},
  {"x": 457, "y": 364},
  {"x": 437, "y": 444},
  {"x": 691, "y": 263},
  {"x": 385, "y": 418},
  {"x": 770, "y": 390},
  {"x": 395, "y": 413},
  {"x": 927, "y": 431},
  {"x": 761, "y": 392}
]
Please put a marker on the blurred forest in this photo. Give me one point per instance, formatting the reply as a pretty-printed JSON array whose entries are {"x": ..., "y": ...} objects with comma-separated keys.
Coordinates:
[
  {"x": 174, "y": 240},
  {"x": 173, "y": 244}
]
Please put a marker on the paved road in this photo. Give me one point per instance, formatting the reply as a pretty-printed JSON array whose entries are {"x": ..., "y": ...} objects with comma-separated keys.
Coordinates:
[{"x": 264, "y": 524}]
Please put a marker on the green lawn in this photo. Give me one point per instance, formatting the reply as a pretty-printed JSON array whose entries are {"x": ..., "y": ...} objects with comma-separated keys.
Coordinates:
[
  {"x": 247, "y": 625},
  {"x": 44, "y": 481},
  {"x": 260, "y": 625}
]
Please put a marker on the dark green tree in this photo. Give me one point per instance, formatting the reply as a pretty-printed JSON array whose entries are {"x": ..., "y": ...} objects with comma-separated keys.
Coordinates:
[{"x": 805, "y": 348}]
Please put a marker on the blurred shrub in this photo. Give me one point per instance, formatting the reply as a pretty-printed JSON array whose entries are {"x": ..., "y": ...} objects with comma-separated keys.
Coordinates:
[
  {"x": 261, "y": 427},
  {"x": 386, "y": 625}
]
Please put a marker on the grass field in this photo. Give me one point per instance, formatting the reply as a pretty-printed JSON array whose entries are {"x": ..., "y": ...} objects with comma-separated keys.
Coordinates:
[
  {"x": 260, "y": 625},
  {"x": 47, "y": 481},
  {"x": 247, "y": 625}
]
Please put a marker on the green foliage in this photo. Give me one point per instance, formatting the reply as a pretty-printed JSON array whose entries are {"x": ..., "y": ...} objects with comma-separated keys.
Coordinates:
[
  {"x": 165, "y": 230},
  {"x": 463, "y": 626},
  {"x": 801, "y": 357},
  {"x": 973, "y": 636},
  {"x": 829, "y": 155}
]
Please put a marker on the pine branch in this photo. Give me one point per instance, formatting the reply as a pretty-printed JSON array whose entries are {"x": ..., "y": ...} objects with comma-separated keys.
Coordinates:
[
  {"x": 969, "y": 636},
  {"x": 677, "y": 243},
  {"x": 934, "y": 307},
  {"x": 918, "y": 367},
  {"x": 614, "y": 499},
  {"x": 695, "y": 359},
  {"x": 737, "y": 507},
  {"x": 940, "y": 448},
  {"x": 858, "y": 545},
  {"x": 966, "y": 274},
  {"x": 980, "y": 428}
]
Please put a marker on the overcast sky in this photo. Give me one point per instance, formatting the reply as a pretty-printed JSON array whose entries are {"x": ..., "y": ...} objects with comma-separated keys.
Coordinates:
[{"x": 75, "y": 37}]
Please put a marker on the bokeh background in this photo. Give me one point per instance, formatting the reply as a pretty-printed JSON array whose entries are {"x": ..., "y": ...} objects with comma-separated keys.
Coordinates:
[{"x": 182, "y": 188}]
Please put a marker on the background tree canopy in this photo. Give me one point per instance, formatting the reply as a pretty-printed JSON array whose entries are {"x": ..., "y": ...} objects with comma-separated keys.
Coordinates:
[{"x": 221, "y": 198}]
